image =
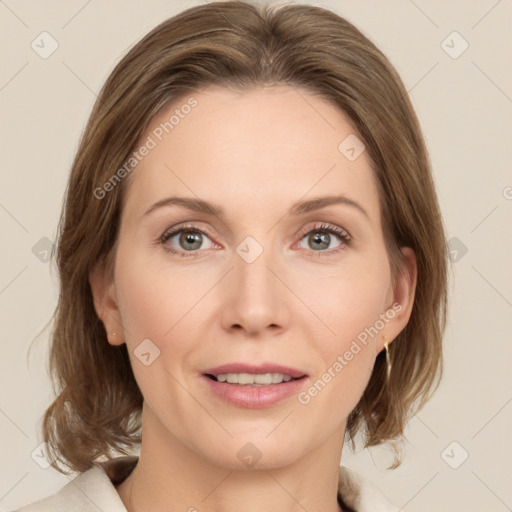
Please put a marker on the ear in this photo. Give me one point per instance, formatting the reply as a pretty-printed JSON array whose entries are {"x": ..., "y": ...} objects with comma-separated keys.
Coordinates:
[
  {"x": 401, "y": 300},
  {"x": 103, "y": 291}
]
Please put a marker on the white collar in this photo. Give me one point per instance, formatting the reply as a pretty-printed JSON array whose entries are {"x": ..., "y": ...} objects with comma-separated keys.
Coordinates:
[{"x": 95, "y": 490}]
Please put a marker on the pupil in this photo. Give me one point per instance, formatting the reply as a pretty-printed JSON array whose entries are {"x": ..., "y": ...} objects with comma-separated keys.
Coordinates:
[
  {"x": 191, "y": 237},
  {"x": 321, "y": 238}
]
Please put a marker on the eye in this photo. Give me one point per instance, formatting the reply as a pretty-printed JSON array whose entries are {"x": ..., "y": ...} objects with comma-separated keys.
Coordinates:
[
  {"x": 189, "y": 239},
  {"x": 321, "y": 236}
]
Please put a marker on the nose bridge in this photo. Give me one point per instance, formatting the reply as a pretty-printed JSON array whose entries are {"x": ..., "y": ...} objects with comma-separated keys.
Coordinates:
[
  {"x": 256, "y": 295},
  {"x": 252, "y": 274}
]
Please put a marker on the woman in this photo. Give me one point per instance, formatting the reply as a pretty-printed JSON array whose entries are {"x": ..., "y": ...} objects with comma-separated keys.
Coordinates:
[{"x": 253, "y": 268}]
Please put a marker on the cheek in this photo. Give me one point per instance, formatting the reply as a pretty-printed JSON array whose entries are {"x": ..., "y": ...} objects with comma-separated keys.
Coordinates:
[
  {"x": 348, "y": 302},
  {"x": 145, "y": 306},
  {"x": 152, "y": 298},
  {"x": 161, "y": 304},
  {"x": 155, "y": 305}
]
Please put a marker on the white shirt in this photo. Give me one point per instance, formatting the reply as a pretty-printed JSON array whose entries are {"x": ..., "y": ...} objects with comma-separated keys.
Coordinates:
[{"x": 95, "y": 490}]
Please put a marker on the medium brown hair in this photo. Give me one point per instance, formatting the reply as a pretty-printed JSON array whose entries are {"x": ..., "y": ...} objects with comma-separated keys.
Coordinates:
[{"x": 236, "y": 44}]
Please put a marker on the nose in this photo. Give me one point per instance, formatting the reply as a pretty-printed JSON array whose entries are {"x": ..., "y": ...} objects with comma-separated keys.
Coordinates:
[{"x": 256, "y": 300}]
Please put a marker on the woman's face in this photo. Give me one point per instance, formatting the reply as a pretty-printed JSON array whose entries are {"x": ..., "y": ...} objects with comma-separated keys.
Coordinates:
[{"x": 262, "y": 281}]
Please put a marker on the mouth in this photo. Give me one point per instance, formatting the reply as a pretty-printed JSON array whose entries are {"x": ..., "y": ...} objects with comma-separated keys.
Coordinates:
[
  {"x": 253, "y": 380},
  {"x": 254, "y": 387},
  {"x": 264, "y": 374}
]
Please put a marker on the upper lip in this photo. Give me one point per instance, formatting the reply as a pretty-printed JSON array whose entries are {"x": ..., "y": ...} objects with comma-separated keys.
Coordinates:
[{"x": 255, "y": 370}]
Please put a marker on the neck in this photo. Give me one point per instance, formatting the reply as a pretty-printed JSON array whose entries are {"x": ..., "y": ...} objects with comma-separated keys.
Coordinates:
[{"x": 171, "y": 477}]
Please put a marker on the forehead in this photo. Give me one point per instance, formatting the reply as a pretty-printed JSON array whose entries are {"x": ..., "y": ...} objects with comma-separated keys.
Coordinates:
[{"x": 264, "y": 145}]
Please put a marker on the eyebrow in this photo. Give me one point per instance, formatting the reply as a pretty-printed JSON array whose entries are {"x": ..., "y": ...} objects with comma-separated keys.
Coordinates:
[{"x": 299, "y": 208}]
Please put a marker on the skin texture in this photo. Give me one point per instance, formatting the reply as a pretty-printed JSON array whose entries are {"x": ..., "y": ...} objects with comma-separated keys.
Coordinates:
[{"x": 254, "y": 154}]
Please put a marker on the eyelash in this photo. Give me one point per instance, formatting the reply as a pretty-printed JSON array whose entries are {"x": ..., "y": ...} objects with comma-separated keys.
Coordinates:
[{"x": 343, "y": 235}]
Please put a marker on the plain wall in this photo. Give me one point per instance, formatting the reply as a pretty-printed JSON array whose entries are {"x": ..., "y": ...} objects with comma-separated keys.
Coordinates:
[{"x": 464, "y": 105}]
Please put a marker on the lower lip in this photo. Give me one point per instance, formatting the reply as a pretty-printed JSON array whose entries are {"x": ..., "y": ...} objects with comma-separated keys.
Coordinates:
[{"x": 255, "y": 397}]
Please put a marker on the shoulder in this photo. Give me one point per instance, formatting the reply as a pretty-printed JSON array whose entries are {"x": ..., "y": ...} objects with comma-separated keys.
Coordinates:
[
  {"x": 90, "y": 491},
  {"x": 360, "y": 494}
]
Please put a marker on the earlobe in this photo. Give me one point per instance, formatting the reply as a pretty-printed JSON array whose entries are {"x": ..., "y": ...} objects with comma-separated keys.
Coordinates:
[{"x": 103, "y": 293}]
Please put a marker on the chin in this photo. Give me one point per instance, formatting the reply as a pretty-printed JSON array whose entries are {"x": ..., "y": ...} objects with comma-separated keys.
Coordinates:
[{"x": 246, "y": 452}]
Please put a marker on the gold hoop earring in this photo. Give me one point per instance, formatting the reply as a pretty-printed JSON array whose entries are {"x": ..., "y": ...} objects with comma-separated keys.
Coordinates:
[{"x": 387, "y": 341}]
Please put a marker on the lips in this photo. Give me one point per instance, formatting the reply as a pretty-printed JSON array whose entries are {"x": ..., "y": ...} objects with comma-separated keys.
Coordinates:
[
  {"x": 254, "y": 396},
  {"x": 294, "y": 373}
]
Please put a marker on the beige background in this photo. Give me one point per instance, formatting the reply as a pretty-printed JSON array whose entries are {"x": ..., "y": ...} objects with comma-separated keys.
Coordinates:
[{"x": 465, "y": 107}]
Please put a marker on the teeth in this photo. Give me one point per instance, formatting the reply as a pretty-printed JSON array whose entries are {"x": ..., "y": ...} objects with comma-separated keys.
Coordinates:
[{"x": 247, "y": 379}]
